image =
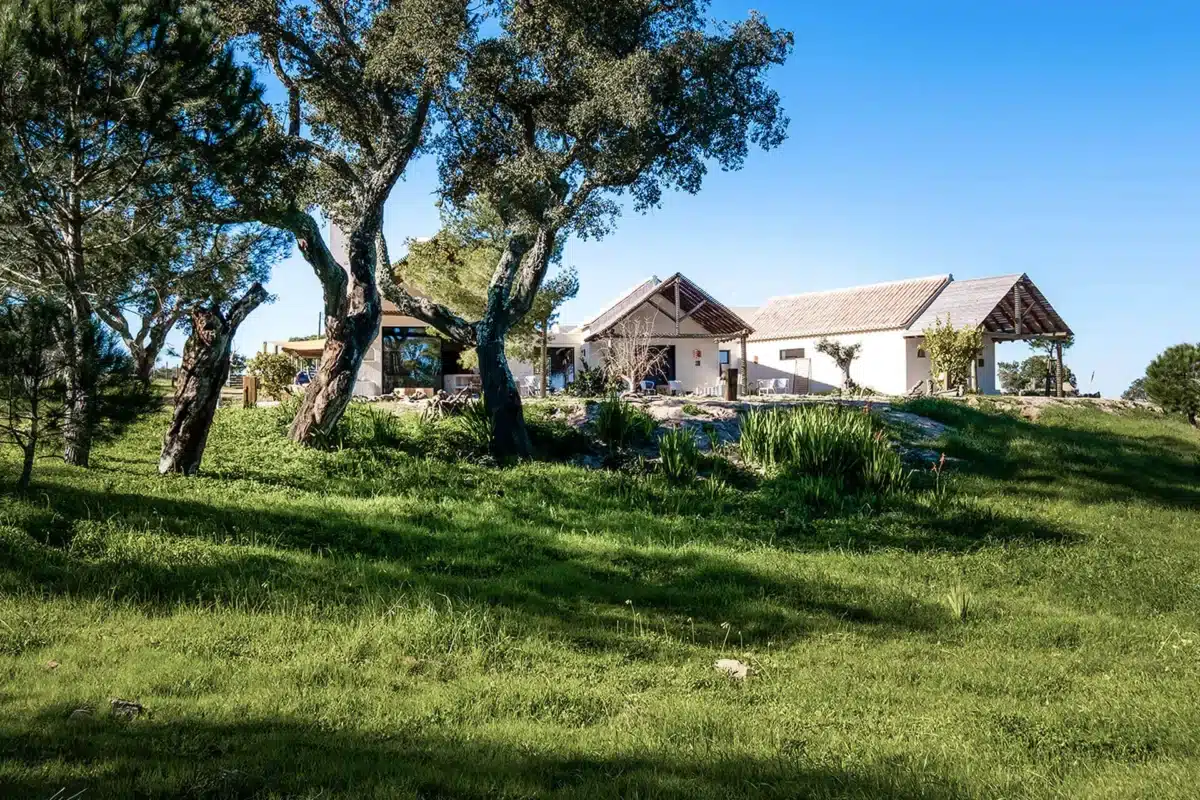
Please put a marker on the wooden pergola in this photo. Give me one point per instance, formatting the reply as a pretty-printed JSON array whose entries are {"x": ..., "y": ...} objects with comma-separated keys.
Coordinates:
[
  {"x": 1023, "y": 313},
  {"x": 1006, "y": 308}
]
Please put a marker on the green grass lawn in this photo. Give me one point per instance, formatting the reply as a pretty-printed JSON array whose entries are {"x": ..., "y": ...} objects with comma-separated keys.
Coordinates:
[{"x": 374, "y": 624}]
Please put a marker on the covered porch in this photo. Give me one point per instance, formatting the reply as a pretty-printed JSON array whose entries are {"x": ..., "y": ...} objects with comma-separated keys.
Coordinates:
[
  {"x": 681, "y": 324},
  {"x": 1007, "y": 309}
]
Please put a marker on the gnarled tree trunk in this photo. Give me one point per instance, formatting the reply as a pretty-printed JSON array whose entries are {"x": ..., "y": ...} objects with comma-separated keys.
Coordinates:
[
  {"x": 517, "y": 278},
  {"x": 353, "y": 310},
  {"x": 502, "y": 399},
  {"x": 204, "y": 369}
]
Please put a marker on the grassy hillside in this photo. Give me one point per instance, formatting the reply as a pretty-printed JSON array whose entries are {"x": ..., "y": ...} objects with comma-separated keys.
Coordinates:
[{"x": 373, "y": 624}]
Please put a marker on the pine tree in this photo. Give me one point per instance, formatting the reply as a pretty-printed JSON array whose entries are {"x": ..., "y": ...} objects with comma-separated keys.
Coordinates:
[
  {"x": 31, "y": 391},
  {"x": 1173, "y": 380},
  {"x": 109, "y": 110}
]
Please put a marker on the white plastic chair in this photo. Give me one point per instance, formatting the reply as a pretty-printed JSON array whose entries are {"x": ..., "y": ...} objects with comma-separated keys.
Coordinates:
[
  {"x": 648, "y": 386},
  {"x": 781, "y": 386},
  {"x": 766, "y": 386},
  {"x": 529, "y": 385}
]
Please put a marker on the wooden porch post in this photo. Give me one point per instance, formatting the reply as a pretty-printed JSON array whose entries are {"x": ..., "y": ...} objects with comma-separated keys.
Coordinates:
[
  {"x": 1059, "y": 368},
  {"x": 1017, "y": 307},
  {"x": 677, "y": 331},
  {"x": 545, "y": 358},
  {"x": 745, "y": 365}
]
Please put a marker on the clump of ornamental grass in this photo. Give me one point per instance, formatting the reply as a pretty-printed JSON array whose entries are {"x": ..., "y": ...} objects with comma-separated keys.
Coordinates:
[
  {"x": 679, "y": 457},
  {"x": 618, "y": 424},
  {"x": 958, "y": 600},
  {"x": 850, "y": 446}
]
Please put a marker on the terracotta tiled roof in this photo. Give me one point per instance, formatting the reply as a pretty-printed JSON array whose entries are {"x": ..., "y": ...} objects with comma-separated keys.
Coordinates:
[{"x": 879, "y": 307}]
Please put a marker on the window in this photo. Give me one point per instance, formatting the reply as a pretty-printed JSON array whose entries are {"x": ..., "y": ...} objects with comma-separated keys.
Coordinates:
[
  {"x": 410, "y": 361},
  {"x": 920, "y": 352},
  {"x": 791, "y": 354},
  {"x": 723, "y": 357},
  {"x": 981, "y": 362}
]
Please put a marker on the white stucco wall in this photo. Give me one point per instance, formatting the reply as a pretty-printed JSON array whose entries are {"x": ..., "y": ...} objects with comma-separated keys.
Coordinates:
[
  {"x": 987, "y": 370},
  {"x": 370, "y": 374},
  {"x": 572, "y": 339},
  {"x": 880, "y": 364}
]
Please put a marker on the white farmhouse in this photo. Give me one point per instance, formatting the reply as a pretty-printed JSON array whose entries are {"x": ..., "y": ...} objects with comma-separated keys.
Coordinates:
[
  {"x": 888, "y": 319},
  {"x": 701, "y": 338},
  {"x": 674, "y": 316}
]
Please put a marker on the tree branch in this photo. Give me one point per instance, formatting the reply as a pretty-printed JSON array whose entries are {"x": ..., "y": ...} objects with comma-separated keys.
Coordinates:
[
  {"x": 429, "y": 312},
  {"x": 312, "y": 246},
  {"x": 254, "y": 297},
  {"x": 531, "y": 273}
]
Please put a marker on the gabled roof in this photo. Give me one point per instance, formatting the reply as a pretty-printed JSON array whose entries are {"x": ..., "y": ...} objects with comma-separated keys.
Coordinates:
[
  {"x": 627, "y": 302},
  {"x": 879, "y": 307},
  {"x": 694, "y": 303},
  {"x": 991, "y": 303}
]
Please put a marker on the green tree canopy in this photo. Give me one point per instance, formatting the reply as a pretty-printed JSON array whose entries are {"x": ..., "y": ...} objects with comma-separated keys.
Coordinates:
[
  {"x": 1032, "y": 375},
  {"x": 567, "y": 108},
  {"x": 111, "y": 109},
  {"x": 1136, "y": 390},
  {"x": 1173, "y": 380},
  {"x": 205, "y": 263}
]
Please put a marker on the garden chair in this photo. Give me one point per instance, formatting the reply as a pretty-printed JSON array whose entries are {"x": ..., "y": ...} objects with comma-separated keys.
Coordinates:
[
  {"x": 766, "y": 386},
  {"x": 781, "y": 386},
  {"x": 529, "y": 385}
]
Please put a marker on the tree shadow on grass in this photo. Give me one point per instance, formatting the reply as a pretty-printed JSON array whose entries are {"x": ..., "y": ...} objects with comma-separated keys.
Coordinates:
[
  {"x": 773, "y": 514},
  {"x": 594, "y": 593},
  {"x": 1086, "y": 466},
  {"x": 102, "y": 757}
]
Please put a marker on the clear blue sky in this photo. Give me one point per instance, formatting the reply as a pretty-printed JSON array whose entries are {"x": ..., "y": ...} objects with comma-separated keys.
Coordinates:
[{"x": 1060, "y": 139}]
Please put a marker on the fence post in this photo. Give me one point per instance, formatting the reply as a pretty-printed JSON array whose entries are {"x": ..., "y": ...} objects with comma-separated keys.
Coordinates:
[
  {"x": 249, "y": 391},
  {"x": 731, "y": 383}
]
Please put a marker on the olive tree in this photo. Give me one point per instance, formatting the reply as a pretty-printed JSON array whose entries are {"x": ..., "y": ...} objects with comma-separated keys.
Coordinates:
[
  {"x": 361, "y": 77},
  {"x": 843, "y": 355},
  {"x": 567, "y": 108},
  {"x": 951, "y": 351}
]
